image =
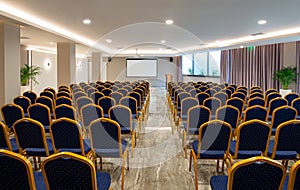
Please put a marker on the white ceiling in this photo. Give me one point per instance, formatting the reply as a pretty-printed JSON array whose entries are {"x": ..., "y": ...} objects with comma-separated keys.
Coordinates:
[{"x": 132, "y": 23}]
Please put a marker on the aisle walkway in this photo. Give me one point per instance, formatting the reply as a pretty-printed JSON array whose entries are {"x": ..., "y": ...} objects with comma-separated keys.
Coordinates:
[{"x": 158, "y": 162}]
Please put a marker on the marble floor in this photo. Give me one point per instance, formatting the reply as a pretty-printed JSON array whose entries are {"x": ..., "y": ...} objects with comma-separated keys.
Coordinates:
[{"x": 158, "y": 161}]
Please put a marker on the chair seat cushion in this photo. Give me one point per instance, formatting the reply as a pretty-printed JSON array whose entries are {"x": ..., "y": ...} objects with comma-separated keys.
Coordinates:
[
  {"x": 192, "y": 131},
  {"x": 106, "y": 115},
  {"x": 103, "y": 180},
  {"x": 208, "y": 154},
  {"x": 104, "y": 152},
  {"x": 86, "y": 145},
  {"x": 281, "y": 154},
  {"x": 219, "y": 182},
  {"x": 39, "y": 181},
  {"x": 40, "y": 151},
  {"x": 125, "y": 130},
  {"x": 298, "y": 117},
  {"x": 242, "y": 154},
  {"x": 14, "y": 145}
]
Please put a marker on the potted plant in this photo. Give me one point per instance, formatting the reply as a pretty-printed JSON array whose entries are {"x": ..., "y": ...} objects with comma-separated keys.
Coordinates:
[
  {"x": 286, "y": 76},
  {"x": 28, "y": 73}
]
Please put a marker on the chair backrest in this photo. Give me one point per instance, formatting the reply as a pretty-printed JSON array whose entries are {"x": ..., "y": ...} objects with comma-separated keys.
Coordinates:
[
  {"x": 228, "y": 114},
  {"x": 78, "y": 95},
  {"x": 222, "y": 97},
  {"x": 122, "y": 115},
  {"x": 287, "y": 137},
  {"x": 137, "y": 97},
  {"x": 201, "y": 97},
  {"x": 213, "y": 104},
  {"x": 193, "y": 93},
  {"x": 276, "y": 103},
  {"x": 48, "y": 94},
  {"x": 283, "y": 114},
  {"x": 106, "y": 103},
  {"x": 256, "y": 101},
  {"x": 41, "y": 113},
  {"x": 89, "y": 113},
  {"x": 270, "y": 97},
  {"x": 256, "y": 94},
  {"x": 46, "y": 101},
  {"x": 96, "y": 96},
  {"x": 256, "y": 173},
  {"x": 255, "y": 112},
  {"x": 116, "y": 96},
  {"x": 11, "y": 113},
  {"x": 253, "y": 135},
  {"x": 82, "y": 101},
  {"x": 30, "y": 134},
  {"x": 210, "y": 91},
  {"x": 63, "y": 94},
  {"x": 203, "y": 88},
  {"x": 186, "y": 104},
  {"x": 290, "y": 97},
  {"x": 66, "y": 111},
  {"x": 269, "y": 91},
  {"x": 123, "y": 91},
  {"x": 239, "y": 95},
  {"x": 237, "y": 103},
  {"x": 22, "y": 101},
  {"x": 106, "y": 91},
  {"x": 69, "y": 171},
  {"x": 50, "y": 90},
  {"x": 105, "y": 134},
  {"x": 214, "y": 135},
  {"x": 31, "y": 95},
  {"x": 63, "y": 100},
  {"x": 16, "y": 171},
  {"x": 66, "y": 134},
  {"x": 294, "y": 179},
  {"x": 197, "y": 115},
  {"x": 129, "y": 102},
  {"x": 4, "y": 138}
]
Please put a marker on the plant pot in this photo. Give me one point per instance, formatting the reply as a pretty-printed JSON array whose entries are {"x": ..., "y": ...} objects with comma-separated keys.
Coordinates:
[
  {"x": 284, "y": 92},
  {"x": 24, "y": 89}
]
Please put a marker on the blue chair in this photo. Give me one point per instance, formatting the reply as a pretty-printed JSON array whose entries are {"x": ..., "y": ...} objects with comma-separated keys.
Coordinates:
[
  {"x": 270, "y": 97},
  {"x": 290, "y": 97},
  {"x": 281, "y": 115},
  {"x": 228, "y": 114},
  {"x": 106, "y": 91},
  {"x": 63, "y": 94},
  {"x": 65, "y": 111},
  {"x": 213, "y": 143},
  {"x": 91, "y": 91},
  {"x": 140, "y": 106},
  {"x": 251, "y": 139},
  {"x": 31, "y": 95},
  {"x": 50, "y": 89},
  {"x": 296, "y": 105},
  {"x": 89, "y": 113},
  {"x": 131, "y": 103},
  {"x": 5, "y": 142},
  {"x": 47, "y": 102},
  {"x": 70, "y": 171},
  {"x": 116, "y": 96},
  {"x": 82, "y": 101},
  {"x": 237, "y": 103},
  {"x": 275, "y": 103},
  {"x": 106, "y": 103},
  {"x": 48, "y": 94},
  {"x": 106, "y": 141},
  {"x": 96, "y": 96},
  {"x": 193, "y": 92},
  {"x": 269, "y": 91},
  {"x": 256, "y": 101},
  {"x": 201, "y": 97},
  {"x": 180, "y": 97},
  {"x": 123, "y": 91},
  {"x": 186, "y": 104},
  {"x": 40, "y": 113},
  {"x": 222, "y": 97},
  {"x": 255, "y": 112},
  {"x": 210, "y": 91},
  {"x": 16, "y": 173},
  {"x": 292, "y": 182},
  {"x": 196, "y": 116},
  {"x": 66, "y": 137},
  {"x": 256, "y": 95},
  {"x": 78, "y": 95},
  {"x": 31, "y": 139},
  {"x": 286, "y": 145},
  {"x": 239, "y": 95},
  {"x": 213, "y": 104},
  {"x": 11, "y": 113},
  {"x": 259, "y": 173},
  {"x": 63, "y": 100},
  {"x": 122, "y": 115},
  {"x": 24, "y": 102}
]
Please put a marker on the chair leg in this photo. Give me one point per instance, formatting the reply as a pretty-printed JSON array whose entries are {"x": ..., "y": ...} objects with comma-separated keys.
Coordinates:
[
  {"x": 223, "y": 163},
  {"x": 132, "y": 143},
  {"x": 190, "y": 166},
  {"x": 218, "y": 165},
  {"x": 35, "y": 163},
  {"x": 184, "y": 143},
  {"x": 195, "y": 169},
  {"x": 101, "y": 163}
]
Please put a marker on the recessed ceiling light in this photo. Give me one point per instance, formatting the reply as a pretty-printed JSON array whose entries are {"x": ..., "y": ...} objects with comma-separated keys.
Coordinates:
[
  {"x": 160, "y": 49},
  {"x": 261, "y": 22},
  {"x": 163, "y": 41},
  {"x": 241, "y": 46},
  {"x": 169, "y": 21},
  {"x": 108, "y": 41},
  {"x": 51, "y": 43},
  {"x": 87, "y": 21}
]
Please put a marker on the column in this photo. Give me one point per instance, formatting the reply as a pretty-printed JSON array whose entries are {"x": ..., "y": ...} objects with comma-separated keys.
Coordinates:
[
  {"x": 9, "y": 62},
  {"x": 97, "y": 64},
  {"x": 66, "y": 63}
]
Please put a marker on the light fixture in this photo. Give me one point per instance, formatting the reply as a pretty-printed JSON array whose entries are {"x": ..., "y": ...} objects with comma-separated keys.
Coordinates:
[
  {"x": 163, "y": 41},
  {"x": 261, "y": 22},
  {"x": 169, "y": 21},
  {"x": 87, "y": 21},
  {"x": 241, "y": 46},
  {"x": 51, "y": 43},
  {"x": 108, "y": 41}
]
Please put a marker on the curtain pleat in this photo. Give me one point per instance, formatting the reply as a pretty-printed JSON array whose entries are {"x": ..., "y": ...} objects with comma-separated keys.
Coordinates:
[{"x": 298, "y": 65}]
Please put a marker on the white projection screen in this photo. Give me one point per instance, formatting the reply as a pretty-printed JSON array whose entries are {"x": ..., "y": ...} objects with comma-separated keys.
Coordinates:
[{"x": 141, "y": 67}]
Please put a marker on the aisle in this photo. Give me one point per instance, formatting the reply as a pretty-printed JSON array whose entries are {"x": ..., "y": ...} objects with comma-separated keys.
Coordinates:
[{"x": 158, "y": 162}]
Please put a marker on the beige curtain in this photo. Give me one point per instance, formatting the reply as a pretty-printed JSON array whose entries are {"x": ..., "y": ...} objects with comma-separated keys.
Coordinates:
[
  {"x": 179, "y": 66},
  {"x": 224, "y": 67},
  {"x": 298, "y": 65}
]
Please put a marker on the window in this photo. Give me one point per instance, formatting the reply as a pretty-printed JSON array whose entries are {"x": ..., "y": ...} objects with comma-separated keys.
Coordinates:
[{"x": 202, "y": 63}]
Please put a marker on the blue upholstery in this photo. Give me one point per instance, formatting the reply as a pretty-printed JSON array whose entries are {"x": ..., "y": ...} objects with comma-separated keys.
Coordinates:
[
  {"x": 272, "y": 96},
  {"x": 23, "y": 102},
  {"x": 103, "y": 180},
  {"x": 229, "y": 115},
  {"x": 83, "y": 101},
  {"x": 282, "y": 154},
  {"x": 213, "y": 104},
  {"x": 106, "y": 92},
  {"x": 290, "y": 97},
  {"x": 90, "y": 113},
  {"x": 61, "y": 101},
  {"x": 96, "y": 96},
  {"x": 40, "y": 151},
  {"x": 212, "y": 154},
  {"x": 186, "y": 105},
  {"x": 197, "y": 116},
  {"x": 45, "y": 101},
  {"x": 11, "y": 114},
  {"x": 116, "y": 96},
  {"x": 39, "y": 181},
  {"x": 40, "y": 113},
  {"x": 218, "y": 182},
  {"x": 256, "y": 102},
  {"x": 31, "y": 95},
  {"x": 222, "y": 97},
  {"x": 259, "y": 113},
  {"x": 242, "y": 154},
  {"x": 64, "y": 111},
  {"x": 106, "y": 103},
  {"x": 180, "y": 98},
  {"x": 131, "y": 104},
  {"x": 122, "y": 115},
  {"x": 14, "y": 145},
  {"x": 237, "y": 103},
  {"x": 276, "y": 103}
]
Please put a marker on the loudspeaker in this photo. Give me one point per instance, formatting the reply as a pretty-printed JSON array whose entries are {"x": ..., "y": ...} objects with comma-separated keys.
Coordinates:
[
  {"x": 109, "y": 59},
  {"x": 171, "y": 59}
]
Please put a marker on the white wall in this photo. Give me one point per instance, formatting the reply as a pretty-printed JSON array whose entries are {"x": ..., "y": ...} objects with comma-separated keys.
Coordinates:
[
  {"x": 82, "y": 70},
  {"x": 48, "y": 77},
  {"x": 204, "y": 79},
  {"x": 116, "y": 70}
]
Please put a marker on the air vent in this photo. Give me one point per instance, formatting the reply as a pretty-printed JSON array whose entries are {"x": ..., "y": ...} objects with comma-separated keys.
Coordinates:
[{"x": 256, "y": 34}]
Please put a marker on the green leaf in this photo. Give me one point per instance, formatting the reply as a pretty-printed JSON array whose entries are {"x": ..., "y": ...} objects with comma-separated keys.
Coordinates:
[
  {"x": 28, "y": 73},
  {"x": 286, "y": 76}
]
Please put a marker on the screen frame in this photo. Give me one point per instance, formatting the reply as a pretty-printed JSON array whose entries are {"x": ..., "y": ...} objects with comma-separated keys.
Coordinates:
[{"x": 142, "y": 59}]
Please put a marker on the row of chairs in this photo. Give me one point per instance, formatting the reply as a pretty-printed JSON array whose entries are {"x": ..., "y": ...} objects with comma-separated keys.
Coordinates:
[{"x": 59, "y": 171}]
